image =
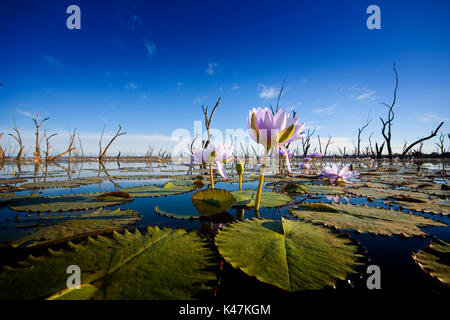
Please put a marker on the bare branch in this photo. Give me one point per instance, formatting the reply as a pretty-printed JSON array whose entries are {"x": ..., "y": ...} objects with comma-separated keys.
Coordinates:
[{"x": 433, "y": 134}]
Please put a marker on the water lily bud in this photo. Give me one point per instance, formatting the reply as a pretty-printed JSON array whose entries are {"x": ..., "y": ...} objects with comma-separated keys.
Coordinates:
[{"x": 239, "y": 167}]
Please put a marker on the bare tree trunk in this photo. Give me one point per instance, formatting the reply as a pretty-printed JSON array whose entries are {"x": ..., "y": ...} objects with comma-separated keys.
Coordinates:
[
  {"x": 37, "y": 152},
  {"x": 18, "y": 138},
  {"x": 387, "y": 124},
  {"x": 101, "y": 154},
  {"x": 433, "y": 134},
  {"x": 360, "y": 130},
  {"x": 208, "y": 121}
]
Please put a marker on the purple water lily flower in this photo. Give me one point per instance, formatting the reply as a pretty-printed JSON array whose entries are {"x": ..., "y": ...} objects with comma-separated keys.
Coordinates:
[
  {"x": 282, "y": 152},
  {"x": 336, "y": 174},
  {"x": 274, "y": 130},
  {"x": 315, "y": 155},
  {"x": 337, "y": 199},
  {"x": 305, "y": 166},
  {"x": 217, "y": 155},
  {"x": 307, "y": 159}
]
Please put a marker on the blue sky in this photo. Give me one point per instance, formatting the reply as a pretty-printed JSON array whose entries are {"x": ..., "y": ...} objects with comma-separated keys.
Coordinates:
[{"x": 149, "y": 65}]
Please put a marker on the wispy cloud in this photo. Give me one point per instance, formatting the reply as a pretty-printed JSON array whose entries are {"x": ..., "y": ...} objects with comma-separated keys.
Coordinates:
[
  {"x": 235, "y": 87},
  {"x": 144, "y": 97},
  {"x": 212, "y": 68},
  {"x": 52, "y": 61},
  {"x": 359, "y": 93},
  {"x": 131, "y": 86},
  {"x": 150, "y": 48},
  {"x": 267, "y": 92},
  {"x": 25, "y": 113},
  {"x": 179, "y": 84},
  {"x": 200, "y": 99},
  {"x": 327, "y": 110},
  {"x": 365, "y": 95},
  {"x": 431, "y": 117}
]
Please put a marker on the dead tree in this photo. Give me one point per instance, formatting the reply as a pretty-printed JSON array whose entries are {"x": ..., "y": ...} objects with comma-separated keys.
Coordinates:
[
  {"x": 278, "y": 100},
  {"x": 81, "y": 147},
  {"x": 441, "y": 145},
  {"x": 379, "y": 150},
  {"x": 208, "y": 121},
  {"x": 37, "y": 151},
  {"x": 48, "y": 147},
  {"x": 433, "y": 134},
  {"x": 387, "y": 124},
  {"x": 69, "y": 150},
  {"x": 360, "y": 130},
  {"x": 102, "y": 152},
  {"x": 256, "y": 154},
  {"x": 18, "y": 138},
  {"x": 306, "y": 142},
  {"x": 2, "y": 152},
  {"x": 370, "y": 144}
]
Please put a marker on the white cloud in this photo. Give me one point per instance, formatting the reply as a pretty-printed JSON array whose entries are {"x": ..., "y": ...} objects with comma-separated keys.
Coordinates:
[
  {"x": 235, "y": 87},
  {"x": 212, "y": 68},
  {"x": 179, "y": 84},
  {"x": 52, "y": 61},
  {"x": 25, "y": 113},
  {"x": 431, "y": 117},
  {"x": 131, "y": 86},
  {"x": 150, "y": 48},
  {"x": 365, "y": 95},
  {"x": 327, "y": 110},
  {"x": 144, "y": 96},
  {"x": 267, "y": 92},
  {"x": 200, "y": 99}
]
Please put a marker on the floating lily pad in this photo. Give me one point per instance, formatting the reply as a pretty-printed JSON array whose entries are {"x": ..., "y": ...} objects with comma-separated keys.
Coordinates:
[
  {"x": 292, "y": 255},
  {"x": 322, "y": 189},
  {"x": 57, "y": 227},
  {"x": 12, "y": 181},
  {"x": 390, "y": 193},
  {"x": 158, "y": 191},
  {"x": 62, "y": 203},
  {"x": 364, "y": 219},
  {"x": 268, "y": 199},
  {"x": 433, "y": 206},
  {"x": 211, "y": 201},
  {"x": 161, "y": 264},
  {"x": 60, "y": 183},
  {"x": 294, "y": 188},
  {"x": 221, "y": 217},
  {"x": 435, "y": 260}
]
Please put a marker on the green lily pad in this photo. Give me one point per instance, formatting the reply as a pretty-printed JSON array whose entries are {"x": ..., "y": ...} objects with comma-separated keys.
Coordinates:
[
  {"x": 85, "y": 292},
  {"x": 12, "y": 181},
  {"x": 322, "y": 189},
  {"x": 268, "y": 199},
  {"x": 432, "y": 206},
  {"x": 294, "y": 188},
  {"x": 58, "y": 227},
  {"x": 390, "y": 193},
  {"x": 60, "y": 183},
  {"x": 164, "y": 264},
  {"x": 435, "y": 260},
  {"x": 291, "y": 255},
  {"x": 365, "y": 219},
  {"x": 158, "y": 191},
  {"x": 211, "y": 201},
  {"x": 221, "y": 217},
  {"x": 62, "y": 203}
]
